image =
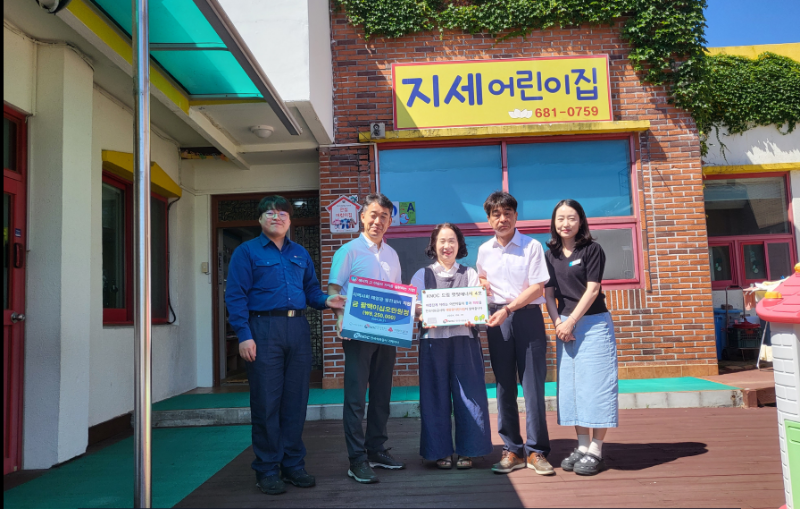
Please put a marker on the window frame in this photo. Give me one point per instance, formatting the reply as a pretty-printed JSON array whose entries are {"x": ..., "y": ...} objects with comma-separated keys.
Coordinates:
[
  {"x": 631, "y": 222},
  {"x": 736, "y": 243},
  {"x": 124, "y": 316}
]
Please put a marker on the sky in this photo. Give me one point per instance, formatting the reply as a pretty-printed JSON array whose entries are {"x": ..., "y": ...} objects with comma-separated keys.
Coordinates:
[{"x": 750, "y": 22}]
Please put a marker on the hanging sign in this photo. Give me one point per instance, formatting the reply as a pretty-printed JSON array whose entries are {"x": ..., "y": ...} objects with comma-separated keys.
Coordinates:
[
  {"x": 501, "y": 92},
  {"x": 379, "y": 312},
  {"x": 344, "y": 215}
]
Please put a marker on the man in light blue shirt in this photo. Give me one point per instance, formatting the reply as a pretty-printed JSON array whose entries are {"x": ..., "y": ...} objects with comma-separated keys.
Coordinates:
[{"x": 367, "y": 363}]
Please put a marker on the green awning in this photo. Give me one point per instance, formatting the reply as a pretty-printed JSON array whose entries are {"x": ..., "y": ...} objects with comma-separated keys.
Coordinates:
[{"x": 198, "y": 46}]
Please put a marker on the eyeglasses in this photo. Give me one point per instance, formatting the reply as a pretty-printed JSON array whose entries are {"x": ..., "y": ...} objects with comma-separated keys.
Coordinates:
[{"x": 272, "y": 214}]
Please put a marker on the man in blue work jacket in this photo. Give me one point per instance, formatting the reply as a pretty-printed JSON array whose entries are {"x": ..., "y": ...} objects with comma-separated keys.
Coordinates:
[{"x": 270, "y": 282}]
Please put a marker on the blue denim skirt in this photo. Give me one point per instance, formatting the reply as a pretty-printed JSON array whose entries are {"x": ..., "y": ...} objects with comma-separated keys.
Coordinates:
[{"x": 587, "y": 375}]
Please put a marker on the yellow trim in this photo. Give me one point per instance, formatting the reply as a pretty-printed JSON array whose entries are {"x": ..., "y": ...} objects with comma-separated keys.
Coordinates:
[
  {"x": 504, "y": 131},
  {"x": 219, "y": 102},
  {"x": 121, "y": 164},
  {"x": 790, "y": 50},
  {"x": 109, "y": 35},
  {"x": 750, "y": 168}
]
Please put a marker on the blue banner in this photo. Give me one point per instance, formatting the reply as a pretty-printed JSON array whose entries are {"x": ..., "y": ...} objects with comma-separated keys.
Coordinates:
[{"x": 379, "y": 312}]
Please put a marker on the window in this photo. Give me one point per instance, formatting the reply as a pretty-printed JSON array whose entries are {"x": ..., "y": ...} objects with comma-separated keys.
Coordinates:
[
  {"x": 117, "y": 224},
  {"x": 749, "y": 229},
  {"x": 444, "y": 182},
  {"x": 449, "y": 182},
  {"x": 598, "y": 174}
]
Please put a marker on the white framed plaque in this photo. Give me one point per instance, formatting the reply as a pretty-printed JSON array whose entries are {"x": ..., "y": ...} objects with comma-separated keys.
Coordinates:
[{"x": 454, "y": 306}]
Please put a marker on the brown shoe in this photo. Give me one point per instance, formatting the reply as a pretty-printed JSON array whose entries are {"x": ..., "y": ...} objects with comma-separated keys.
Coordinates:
[
  {"x": 539, "y": 464},
  {"x": 508, "y": 463}
]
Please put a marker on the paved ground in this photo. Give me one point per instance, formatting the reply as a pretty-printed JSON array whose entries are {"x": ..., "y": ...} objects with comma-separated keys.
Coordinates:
[
  {"x": 704, "y": 457},
  {"x": 749, "y": 379}
]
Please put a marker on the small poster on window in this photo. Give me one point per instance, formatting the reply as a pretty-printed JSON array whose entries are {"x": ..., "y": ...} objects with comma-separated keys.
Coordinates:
[
  {"x": 379, "y": 312},
  {"x": 404, "y": 213}
]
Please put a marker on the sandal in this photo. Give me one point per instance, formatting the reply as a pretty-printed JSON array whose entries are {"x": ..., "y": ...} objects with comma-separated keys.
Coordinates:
[
  {"x": 464, "y": 463},
  {"x": 445, "y": 463},
  {"x": 589, "y": 464}
]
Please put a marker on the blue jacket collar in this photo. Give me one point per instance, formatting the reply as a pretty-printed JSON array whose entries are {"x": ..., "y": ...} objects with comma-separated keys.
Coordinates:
[{"x": 265, "y": 241}]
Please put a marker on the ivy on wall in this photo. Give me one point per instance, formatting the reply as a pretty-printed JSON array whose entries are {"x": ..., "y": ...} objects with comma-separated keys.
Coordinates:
[
  {"x": 667, "y": 39},
  {"x": 741, "y": 93}
]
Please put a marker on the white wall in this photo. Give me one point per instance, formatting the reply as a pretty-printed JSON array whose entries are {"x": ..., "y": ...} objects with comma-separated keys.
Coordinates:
[
  {"x": 204, "y": 325},
  {"x": 320, "y": 62},
  {"x": 291, "y": 41},
  {"x": 57, "y": 347},
  {"x": 277, "y": 36},
  {"x": 174, "y": 347},
  {"x": 18, "y": 70},
  {"x": 760, "y": 145},
  {"x": 209, "y": 176}
]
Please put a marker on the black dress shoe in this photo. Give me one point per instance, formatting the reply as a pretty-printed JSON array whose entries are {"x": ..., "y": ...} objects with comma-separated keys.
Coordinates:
[
  {"x": 300, "y": 478},
  {"x": 362, "y": 473},
  {"x": 385, "y": 460},
  {"x": 271, "y": 485}
]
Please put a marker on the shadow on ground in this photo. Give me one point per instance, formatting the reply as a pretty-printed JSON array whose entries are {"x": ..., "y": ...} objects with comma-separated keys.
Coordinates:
[{"x": 631, "y": 457}]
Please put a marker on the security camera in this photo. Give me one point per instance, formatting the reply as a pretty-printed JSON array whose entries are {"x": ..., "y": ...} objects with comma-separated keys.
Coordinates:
[{"x": 53, "y": 6}]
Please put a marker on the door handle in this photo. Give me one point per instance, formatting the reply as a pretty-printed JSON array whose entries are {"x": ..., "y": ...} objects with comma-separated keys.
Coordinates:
[
  {"x": 18, "y": 255},
  {"x": 17, "y": 317}
]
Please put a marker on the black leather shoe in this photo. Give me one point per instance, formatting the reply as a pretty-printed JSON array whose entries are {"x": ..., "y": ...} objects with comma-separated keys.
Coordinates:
[
  {"x": 300, "y": 478},
  {"x": 385, "y": 460},
  {"x": 362, "y": 473},
  {"x": 271, "y": 485}
]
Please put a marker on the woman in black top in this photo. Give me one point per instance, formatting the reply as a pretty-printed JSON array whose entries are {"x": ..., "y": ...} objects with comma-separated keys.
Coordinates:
[{"x": 586, "y": 346}]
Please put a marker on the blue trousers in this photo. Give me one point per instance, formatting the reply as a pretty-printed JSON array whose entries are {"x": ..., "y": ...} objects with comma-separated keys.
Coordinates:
[
  {"x": 452, "y": 369},
  {"x": 279, "y": 392},
  {"x": 519, "y": 346}
]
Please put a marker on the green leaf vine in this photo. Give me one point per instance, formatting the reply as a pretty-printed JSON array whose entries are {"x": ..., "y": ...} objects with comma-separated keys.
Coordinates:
[{"x": 668, "y": 48}]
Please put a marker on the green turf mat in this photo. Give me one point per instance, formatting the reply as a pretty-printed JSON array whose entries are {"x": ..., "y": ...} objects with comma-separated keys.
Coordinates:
[
  {"x": 336, "y": 396},
  {"x": 183, "y": 459},
  {"x": 682, "y": 384}
]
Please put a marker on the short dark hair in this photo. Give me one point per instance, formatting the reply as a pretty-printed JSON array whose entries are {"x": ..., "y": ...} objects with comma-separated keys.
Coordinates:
[
  {"x": 380, "y": 199},
  {"x": 499, "y": 199},
  {"x": 430, "y": 251},
  {"x": 582, "y": 238},
  {"x": 274, "y": 202}
]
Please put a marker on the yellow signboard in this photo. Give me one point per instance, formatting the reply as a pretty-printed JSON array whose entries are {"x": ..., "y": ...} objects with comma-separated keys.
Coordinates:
[{"x": 500, "y": 92}]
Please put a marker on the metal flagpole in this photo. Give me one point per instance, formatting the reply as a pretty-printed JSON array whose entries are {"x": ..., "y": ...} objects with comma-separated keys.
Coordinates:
[{"x": 141, "y": 249}]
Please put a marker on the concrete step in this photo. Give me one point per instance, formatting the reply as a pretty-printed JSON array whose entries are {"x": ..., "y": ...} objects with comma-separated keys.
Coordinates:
[{"x": 227, "y": 416}]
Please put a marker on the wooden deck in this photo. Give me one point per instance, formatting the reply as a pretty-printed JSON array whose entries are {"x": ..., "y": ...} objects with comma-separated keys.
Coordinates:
[{"x": 721, "y": 457}]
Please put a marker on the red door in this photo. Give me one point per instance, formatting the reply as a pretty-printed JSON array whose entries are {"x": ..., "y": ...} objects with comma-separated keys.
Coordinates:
[{"x": 14, "y": 234}]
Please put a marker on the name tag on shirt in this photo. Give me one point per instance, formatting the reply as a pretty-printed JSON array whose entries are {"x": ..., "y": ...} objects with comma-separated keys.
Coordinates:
[{"x": 575, "y": 262}]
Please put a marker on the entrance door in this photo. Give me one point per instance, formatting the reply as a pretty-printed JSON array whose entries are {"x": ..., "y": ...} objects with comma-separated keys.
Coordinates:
[
  {"x": 234, "y": 219},
  {"x": 14, "y": 205},
  {"x": 228, "y": 239}
]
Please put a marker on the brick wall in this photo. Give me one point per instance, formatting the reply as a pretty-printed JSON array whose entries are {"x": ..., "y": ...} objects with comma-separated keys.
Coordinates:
[{"x": 665, "y": 328}]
